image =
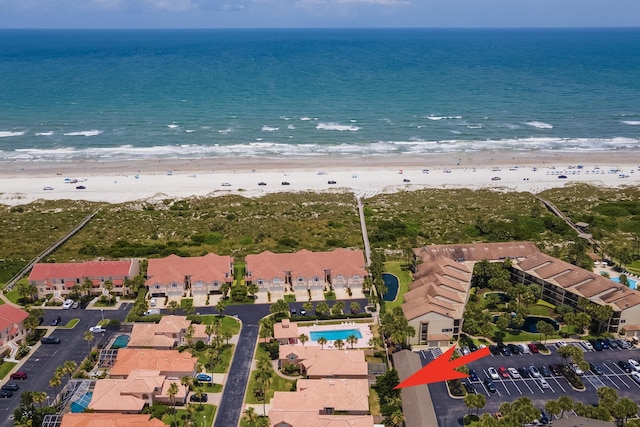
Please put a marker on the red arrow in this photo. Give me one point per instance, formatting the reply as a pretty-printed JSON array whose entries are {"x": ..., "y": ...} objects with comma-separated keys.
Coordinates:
[{"x": 443, "y": 369}]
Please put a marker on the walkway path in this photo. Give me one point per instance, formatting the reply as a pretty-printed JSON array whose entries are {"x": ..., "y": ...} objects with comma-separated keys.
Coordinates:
[
  {"x": 566, "y": 219},
  {"x": 365, "y": 236}
]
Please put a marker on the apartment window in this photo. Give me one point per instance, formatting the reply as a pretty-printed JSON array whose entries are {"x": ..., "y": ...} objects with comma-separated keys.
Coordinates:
[
  {"x": 174, "y": 285},
  {"x": 216, "y": 283},
  {"x": 260, "y": 282},
  {"x": 276, "y": 280},
  {"x": 447, "y": 330},
  {"x": 300, "y": 279},
  {"x": 316, "y": 279},
  {"x": 424, "y": 329},
  {"x": 456, "y": 322},
  {"x": 156, "y": 286},
  {"x": 77, "y": 281}
]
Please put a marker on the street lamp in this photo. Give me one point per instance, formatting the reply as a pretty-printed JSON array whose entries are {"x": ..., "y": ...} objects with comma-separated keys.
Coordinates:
[
  {"x": 102, "y": 314},
  {"x": 205, "y": 421}
]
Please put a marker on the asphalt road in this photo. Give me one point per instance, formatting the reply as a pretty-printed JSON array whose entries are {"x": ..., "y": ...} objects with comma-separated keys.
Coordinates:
[
  {"x": 43, "y": 362},
  {"x": 450, "y": 411}
]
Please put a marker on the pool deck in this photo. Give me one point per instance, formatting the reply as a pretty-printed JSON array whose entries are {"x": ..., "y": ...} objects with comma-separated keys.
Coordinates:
[{"x": 364, "y": 329}]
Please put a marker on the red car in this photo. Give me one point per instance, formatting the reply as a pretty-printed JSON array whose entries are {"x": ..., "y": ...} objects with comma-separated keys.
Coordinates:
[
  {"x": 19, "y": 375},
  {"x": 503, "y": 372},
  {"x": 533, "y": 348}
]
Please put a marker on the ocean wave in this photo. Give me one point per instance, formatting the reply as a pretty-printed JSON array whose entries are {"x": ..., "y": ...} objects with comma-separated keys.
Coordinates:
[
  {"x": 436, "y": 118},
  {"x": 44, "y": 133},
  {"x": 7, "y": 134},
  {"x": 172, "y": 126},
  {"x": 632, "y": 122},
  {"x": 415, "y": 145},
  {"x": 291, "y": 127},
  {"x": 93, "y": 132},
  {"x": 266, "y": 128},
  {"x": 227, "y": 130},
  {"x": 306, "y": 119},
  {"x": 338, "y": 127},
  {"x": 539, "y": 125}
]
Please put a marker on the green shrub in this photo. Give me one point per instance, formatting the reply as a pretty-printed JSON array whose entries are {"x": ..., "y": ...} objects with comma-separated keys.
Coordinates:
[{"x": 200, "y": 345}]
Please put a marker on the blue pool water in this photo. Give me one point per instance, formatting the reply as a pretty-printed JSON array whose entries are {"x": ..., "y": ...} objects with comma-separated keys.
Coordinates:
[
  {"x": 392, "y": 284},
  {"x": 530, "y": 323},
  {"x": 335, "y": 335},
  {"x": 81, "y": 404},
  {"x": 632, "y": 283},
  {"x": 121, "y": 342}
]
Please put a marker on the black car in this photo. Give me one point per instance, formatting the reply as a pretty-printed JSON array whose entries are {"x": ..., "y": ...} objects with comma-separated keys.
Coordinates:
[
  {"x": 597, "y": 345},
  {"x": 50, "y": 340},
  {"x": 514, "y": 348},
  {"x": 473, "y": 376},
  {"x": 473, "y": 347},
  {"x": 285, "y": 183},
  {"x": 494, "y": 350},
  {"x": 490, "y": 385},
  {"x": 544, "y": 419},
  {"x": 469, "y": 387},
  {"x": 595, "y": 369},
  {"x": 524, "y": 372},
  {"x": 556, "y": 369},
  {"x": 262, "y": 183},
  {"x": 294, "y": 312},
  {"x": 81, "y": 187},
  {"x": 544, "y": 371},
  {"x": 505, "y": 351},
  {"x": 604, "y": 343},
  {"x": 40, "y": 320},
  {"x": 10, "y": 386},
  {"x": 5, "y": 394},
  {"x": 56, "y": 321},
  {"x": 625, "y": 366},
  {"x": 195, "y": 398},
  {"x": 331, "y": 182}
]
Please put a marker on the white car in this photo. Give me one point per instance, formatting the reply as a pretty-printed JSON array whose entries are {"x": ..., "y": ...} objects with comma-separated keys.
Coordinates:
[
  {"x": 534, "y": 372},
  {"x": 97, "y": 329},
  {"x": 636, "y": 376},
  {"x": 524, "y": 349},
  {"x": 543, "y": 383},
  {"x": 561, "y": 344},
  {"x": 587, "y": 345},
  {"x": 465, "y": 351},
  {"x": 576, "y": 369},
  {"x": 634, "y": 364},
  {"x": 152, "y": 302},
  {"x": 493, "y": 373},
  {"x": 514, "y": 373},
  {"x": 67, "y": 304}
]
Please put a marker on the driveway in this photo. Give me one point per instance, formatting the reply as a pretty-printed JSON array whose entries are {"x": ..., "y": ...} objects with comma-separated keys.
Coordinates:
[{"x": 42, "y": 363}]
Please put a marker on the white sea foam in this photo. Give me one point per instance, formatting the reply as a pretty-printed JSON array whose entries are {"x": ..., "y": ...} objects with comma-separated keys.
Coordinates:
[
  {"x": 172, "y": 126},
  {"x": 632, "y": 122},
  {"x": 436, "y": 118},
  {"x": 189, "y": 130},
  {"x": 7, "y": 134},
  {"x": 539, "y": 125},
  {"x": 93, "y": 132},
  {"x": 291, "y": 127},
  {"x": 45, "y": 133},
  {"x": 227, "y": 130},
  {"x": 337, "y": 126},
  {"x": 305, "y": 119},
  {"x": 266, "y": 128}
]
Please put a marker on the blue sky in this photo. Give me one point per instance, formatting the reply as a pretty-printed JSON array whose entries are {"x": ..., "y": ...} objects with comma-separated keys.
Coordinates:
[{"x": 317, "y": 13}]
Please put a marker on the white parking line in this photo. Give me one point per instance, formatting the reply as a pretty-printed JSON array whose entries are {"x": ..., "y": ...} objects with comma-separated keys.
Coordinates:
[
  {"x": 505, "y": 387},
  {"x": 516, "y": 385},
  {"x": 525, "y": 383},
  {"x": 558, "y": 382},
  {"x": 618, "y": 375}
]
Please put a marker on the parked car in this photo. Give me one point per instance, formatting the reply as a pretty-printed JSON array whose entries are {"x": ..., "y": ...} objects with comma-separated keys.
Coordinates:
[
  {"x": 469, "y": 387},
  {"x": 473, "y": 376},
  {"x": 596, "y": 345},
  {"x": 81, "y": 187},
  {"x": 226, "y": 184},
  {"x": 11, "y": 387},
  {"x": 465, "y": 351},
  {"x": 533, "y": 348},
  {"x": 534, "y": 372},
  {"x": 555, "y": 369},
  {"x": 587, "y": 345},
  {"x": 303, "y": 312},
  {"x": 524, "y": 372},
  {"x": 151, "y": 312},
  {"x": 285, "y": 183},
  {"x": 490, "y": 385},
  {"x": 18, "y": 375},
  {"x": 493, "y": 373},
  {"x": 544, "y": 418},
  {"x": 262, "y": 183},
  {"x": 195, "y": 398},
  {"x": 575, "y": 368},
  {"x": 543, "y": 383},
  {"x": 561, "y": 344},
  {"x": 612, "y": 343},
  {"x": 203, "y": 377},
  {"x": 505, "y": 351},
  {"x": 331, "y": 181},
  {"x": 604, "y": 343},
  {"x": 47, "y": 188},
  {"x": 514, "y": 373},
  {"x": 76, "y": 304},
  {"x": 625, "y": 366},
  {"x": 406, "y": 180},
  {"x": 50, "y": 340},
  {"x": 503, "y": 372},
  {"x": 623, "y": 344},
  {"x": 595, "y": 369},
  {"x": 634, "y": 364},
  {"x": 67, "y": 304},
  {"x": 515, "y": 349},
  {"x": 5, "y": 394},
  {"x": 473, "y": 347},
  {"x": 544, "y": 371},
  {"x": 97, "y": 329},
  {"x": 494, "y": 350},
  {"x": 524, "y": 349},
  {"x": 152, "y": 302},
  {"x": 636, "y": 376},
  {"x": 56, "y": 321}
]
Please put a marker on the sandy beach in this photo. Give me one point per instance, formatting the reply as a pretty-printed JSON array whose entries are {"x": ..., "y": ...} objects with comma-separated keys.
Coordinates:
[{"x": 122, "y": 181}]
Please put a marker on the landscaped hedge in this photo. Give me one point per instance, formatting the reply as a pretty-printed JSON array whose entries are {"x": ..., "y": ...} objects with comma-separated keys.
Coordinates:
[
  {"x": 573, "y": 379},
  {"x": 333, "y": 317},
  {"x": 455, "y": 388}
]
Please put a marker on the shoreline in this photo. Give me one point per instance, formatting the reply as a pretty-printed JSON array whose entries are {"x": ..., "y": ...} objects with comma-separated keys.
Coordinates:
[{"x": 124, "y": 181}]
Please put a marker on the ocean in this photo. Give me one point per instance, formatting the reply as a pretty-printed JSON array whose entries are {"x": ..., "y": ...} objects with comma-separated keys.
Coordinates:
[{"x": 81, "y": 94}]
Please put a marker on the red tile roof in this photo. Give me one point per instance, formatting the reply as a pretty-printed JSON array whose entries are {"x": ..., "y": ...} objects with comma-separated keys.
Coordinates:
[
  {"x": 268, "y": 265},
  {"x": 10, "y": 315},
  {"x": 73, "y": 270},
  {"x": 173, "y": 269}
]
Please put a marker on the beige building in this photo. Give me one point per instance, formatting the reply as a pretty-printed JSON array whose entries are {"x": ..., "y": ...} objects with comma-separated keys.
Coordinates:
[
  {"x": 286, "y": 332},
  {"x": 169, "y": 333},
  {"x": 340, "y": 268},
  {"x": 88, "y": 419},
  {"x": 175, "y": 276},
  {"x": 315, "y": 362},
  {"x": 12, "y": 330}
]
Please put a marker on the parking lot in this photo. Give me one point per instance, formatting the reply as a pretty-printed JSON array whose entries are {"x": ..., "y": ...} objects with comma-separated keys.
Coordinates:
[{"x": 509, "y": 387}]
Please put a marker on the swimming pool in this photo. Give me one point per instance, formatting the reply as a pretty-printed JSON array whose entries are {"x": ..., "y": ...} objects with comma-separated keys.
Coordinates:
[
  {"x": 81, "y": 404},
  {"x": 121, "y": 341},
  {"x": 632, "y": 283},
  {"x": 338, "y": 334}
]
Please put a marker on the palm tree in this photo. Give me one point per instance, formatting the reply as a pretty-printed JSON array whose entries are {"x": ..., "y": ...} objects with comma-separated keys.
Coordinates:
[
  {"x": 322, "y": 341},
  {"x": 188, "y": 336},
  {"x": 227, "y": 335},
  {"x": 263, "y": 378},
  {"x": 56, "y": 380},
  {"x": 396, "y": 418},
  {"x": 339, "y": 344},
  {"x": 303, "y": 338},
  {"x": 322, "y": 308},
  {"x": 220, "y": 306},
  {"x": 173, "y": 306},
  {"x": 173, "y": 390},
  {"x": 89, "y": 337},
  {"x": 250, "y": 416},
  {"x": 253, "y": 289},
  {"x": 308, "y": 306},
  {"x": 69, "y": 367},
  {"x": 352, "y": 339},
  {"x": 212, "y": 354},
  {"x": 187, "y": 382},
  {"x": 209, "y": 330},
  {"x": 39, "y": 397},
  {"x": 354, "y": 307},
  {"x": 199, "y": 392}
]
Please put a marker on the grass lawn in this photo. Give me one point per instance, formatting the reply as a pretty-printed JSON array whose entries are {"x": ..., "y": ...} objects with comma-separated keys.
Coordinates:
[
  {"x": 184, "y": 303},
  {"x": 330, "y": 296},
  {"x": 71, "y": 324},
  {"x": 207, "y": 413},
  {"x": 225, "y": 358},
  {"x": 374, "y": 402},
  {"x": 290, "y": 298},
  {"x": 212, "y": 388},
  {"x": 404, "y": 276},
  {"x": 541, "y": 310},
  {"x": 5, "y": 368},
  {"x": 229, "y": 323},
  {"x": 277, "y": 383}
]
